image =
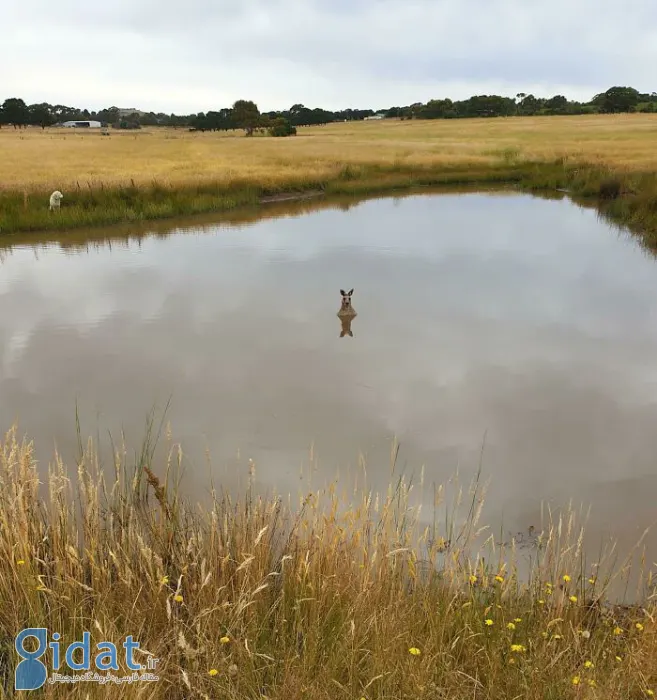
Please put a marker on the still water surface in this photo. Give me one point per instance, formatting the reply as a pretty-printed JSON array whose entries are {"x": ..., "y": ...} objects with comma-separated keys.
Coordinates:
[{"x": 524, "y": 321}]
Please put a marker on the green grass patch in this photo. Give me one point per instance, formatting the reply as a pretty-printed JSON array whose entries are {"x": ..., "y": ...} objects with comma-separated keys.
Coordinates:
[{"x": 625, "y": 197}]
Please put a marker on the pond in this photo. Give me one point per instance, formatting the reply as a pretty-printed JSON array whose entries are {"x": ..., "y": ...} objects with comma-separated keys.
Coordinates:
[{"x": 493, "y": 329}]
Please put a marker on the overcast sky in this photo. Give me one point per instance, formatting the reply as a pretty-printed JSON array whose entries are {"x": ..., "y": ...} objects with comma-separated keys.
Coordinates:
[{"x": 197, "y": 55}]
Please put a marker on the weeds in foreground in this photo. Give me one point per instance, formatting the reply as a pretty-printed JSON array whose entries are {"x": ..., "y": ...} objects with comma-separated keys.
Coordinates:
[{"x": 258, "y": 598}]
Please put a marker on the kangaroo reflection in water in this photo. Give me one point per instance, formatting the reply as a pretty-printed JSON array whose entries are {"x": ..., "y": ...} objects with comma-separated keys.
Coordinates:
[{"x": 346, "y": 314}]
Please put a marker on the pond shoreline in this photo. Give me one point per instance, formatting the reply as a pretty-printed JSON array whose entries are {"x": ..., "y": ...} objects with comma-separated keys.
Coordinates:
[
  {"x": 627, "y": 198},
  {"x": 286, "y": 197},
  {"x": 325, "y": 516}
]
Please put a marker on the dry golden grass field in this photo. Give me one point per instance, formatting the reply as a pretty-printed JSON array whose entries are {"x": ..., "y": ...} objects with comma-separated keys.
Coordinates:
[
  {"x": 610, "y": 160},
  {"x": 33, "y": 159}
]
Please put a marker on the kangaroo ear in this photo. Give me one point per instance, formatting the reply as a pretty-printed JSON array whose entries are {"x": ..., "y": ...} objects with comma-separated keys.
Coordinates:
[
  {"x": 344, "y": 294},
  {"x": 350, "y": 293}
]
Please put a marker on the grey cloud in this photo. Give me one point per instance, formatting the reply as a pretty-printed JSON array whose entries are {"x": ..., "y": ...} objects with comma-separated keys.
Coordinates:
[{"x": 202, "y": 54}]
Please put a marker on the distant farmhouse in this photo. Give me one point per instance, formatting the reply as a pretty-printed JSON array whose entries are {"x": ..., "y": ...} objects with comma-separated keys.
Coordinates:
[
  {"x": 129, "y": 111},
  {"x": 380, "y": 115},
  {"x": 84, "y": 124}
]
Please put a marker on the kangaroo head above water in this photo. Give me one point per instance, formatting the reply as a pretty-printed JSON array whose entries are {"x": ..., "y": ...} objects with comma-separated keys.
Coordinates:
[{"x": 346, "y": 301}]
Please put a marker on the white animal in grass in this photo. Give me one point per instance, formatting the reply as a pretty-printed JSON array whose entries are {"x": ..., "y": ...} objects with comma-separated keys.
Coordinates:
[{"x": 55, "y": 200}]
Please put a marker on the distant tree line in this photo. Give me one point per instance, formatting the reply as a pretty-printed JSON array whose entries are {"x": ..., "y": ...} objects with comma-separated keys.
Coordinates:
[{"x": 244, "y": 114}]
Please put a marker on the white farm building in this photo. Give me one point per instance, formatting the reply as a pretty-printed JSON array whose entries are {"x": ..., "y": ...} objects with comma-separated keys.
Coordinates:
[{"x": 85, "y": 124}]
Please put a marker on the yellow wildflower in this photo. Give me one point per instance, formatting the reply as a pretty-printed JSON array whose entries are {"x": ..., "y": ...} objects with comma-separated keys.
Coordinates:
[
  {"x": 617, "y": 631},
  {"x": 566, "y": 578},
  {"x": 178, "y": 598},
  {"x": 650, "y": 693},
  {"x": 591, "y": 682},
  {"x": 639, "y": 626},
  {"x": 517, "y": 619},
  {"x": 213, "y": 672},
  {"x": 415, "y": 651},
  {"x": 518, "y": 648},
  {"x": 21, "y": 562},
  {"x": 164, "y": 580},
  {"x": 589, "y": 664},
  {"x": 488, "y": 622},
  {"x": 576, "y": 680},
  {"x": 499, "y": 579},
  {"x": 224, "y": 640},
  {"x": 510, "y": 626},
  {"x": 592, "y": 580},
  {"x": 573, "y": 599},
  {"x": 473, "y": 578},
  {"x": 619, "y": 658}
]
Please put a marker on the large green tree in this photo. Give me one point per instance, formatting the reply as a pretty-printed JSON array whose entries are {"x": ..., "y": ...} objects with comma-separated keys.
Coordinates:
[
  {"x": 41, "y": 115},
  {"x": 557, "y": 105},
  {"x": 281, "y": 127},
  {"x": 618, "y": 99},
  {"x": 528, "y": 104},
  {"x": 15, "y": 111},
  {"x": 246, "y": 116}
]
